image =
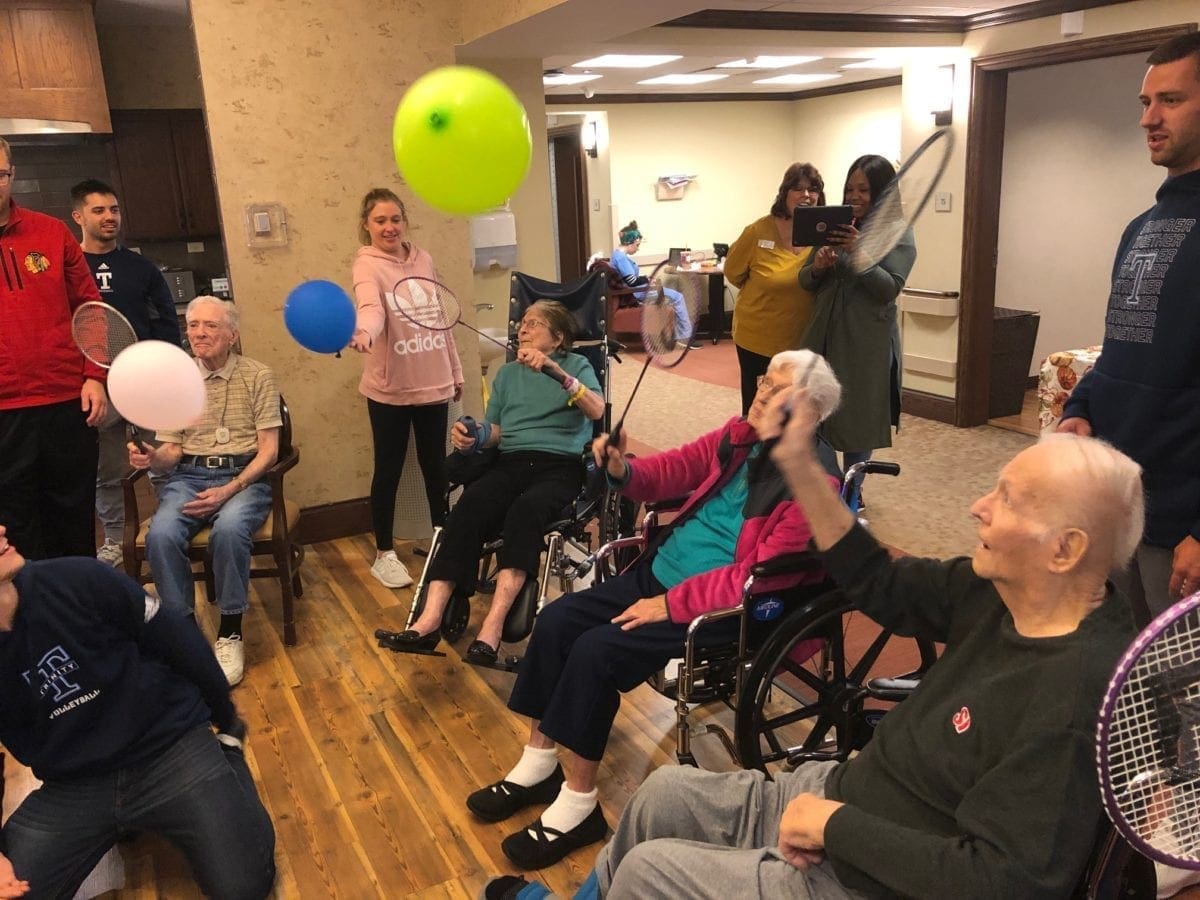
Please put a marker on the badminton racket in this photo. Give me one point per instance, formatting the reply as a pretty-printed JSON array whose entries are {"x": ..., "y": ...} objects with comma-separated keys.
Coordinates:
[
  {"x": 901, "y": 202},
  {"x": 667, "y": 323},
  {"x": 101, "y": 332},
  {"x": 1148, "y": 739},
  {"x": 427, "y": 303}
]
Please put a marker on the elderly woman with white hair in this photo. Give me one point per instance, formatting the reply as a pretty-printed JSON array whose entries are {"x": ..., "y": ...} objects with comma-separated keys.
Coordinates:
[{"x": 589, "y": 647}]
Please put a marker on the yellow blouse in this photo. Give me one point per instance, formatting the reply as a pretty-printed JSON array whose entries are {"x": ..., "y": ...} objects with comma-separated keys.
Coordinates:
[{"x": 772, "y": 310}]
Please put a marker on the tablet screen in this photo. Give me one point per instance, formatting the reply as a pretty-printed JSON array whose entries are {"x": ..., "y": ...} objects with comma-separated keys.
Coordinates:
[{"x": 811, "y": 225}]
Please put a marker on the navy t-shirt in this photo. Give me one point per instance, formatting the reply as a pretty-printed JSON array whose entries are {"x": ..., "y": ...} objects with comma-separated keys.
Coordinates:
[{"x": 135, "y": 286}]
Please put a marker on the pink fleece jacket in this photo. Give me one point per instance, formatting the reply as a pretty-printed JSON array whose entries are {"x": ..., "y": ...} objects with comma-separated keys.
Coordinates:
[
  {"x": 775, "y": 525},
  {"x": 407, "y": 365}
]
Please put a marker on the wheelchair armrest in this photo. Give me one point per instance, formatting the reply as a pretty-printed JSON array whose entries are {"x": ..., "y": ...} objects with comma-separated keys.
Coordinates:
[
  {"x": 619, "y": 544},
  {"x": 787, "y": 564},
  {"x": 802, "y": 756},
  {"x": 669, "y": 504}
]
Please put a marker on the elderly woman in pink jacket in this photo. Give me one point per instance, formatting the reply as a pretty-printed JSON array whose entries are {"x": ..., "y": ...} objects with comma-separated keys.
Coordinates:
[
  {"x": 589, "y": 647},
  {"x": 409, "y": 377}
]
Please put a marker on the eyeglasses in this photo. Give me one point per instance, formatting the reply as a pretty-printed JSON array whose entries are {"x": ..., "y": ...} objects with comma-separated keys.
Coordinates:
[
  {"x": 6, "y": 176},
  {"x": 535, "y": 323},
  {"x": 772, "y": 387}
]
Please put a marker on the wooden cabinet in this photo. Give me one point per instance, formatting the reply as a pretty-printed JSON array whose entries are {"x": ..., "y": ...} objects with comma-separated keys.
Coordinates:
[
  {"x": 50, "y": 62},
  {"x": 164, "y": 174}
]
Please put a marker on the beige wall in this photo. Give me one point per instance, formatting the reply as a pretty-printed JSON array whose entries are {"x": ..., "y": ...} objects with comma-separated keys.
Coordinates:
[
  {"x": 300, "y": 98},
  {"x": 150, "y": 67},
  {"x": 531, "y": 203},
  {"x": 1060, "y": 227}
]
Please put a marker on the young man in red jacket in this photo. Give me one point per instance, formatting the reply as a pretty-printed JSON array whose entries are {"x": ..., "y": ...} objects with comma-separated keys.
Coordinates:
[{"x": 51, "y": 398}]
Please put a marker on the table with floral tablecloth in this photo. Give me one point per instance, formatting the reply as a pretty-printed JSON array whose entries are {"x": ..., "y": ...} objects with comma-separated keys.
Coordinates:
[{"x": 1061, "y": 371}]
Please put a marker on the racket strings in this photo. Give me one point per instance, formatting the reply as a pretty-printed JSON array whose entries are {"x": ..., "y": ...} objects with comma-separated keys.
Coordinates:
[
  {"x": 427, "y": 303},
  {"x": 101, "y": 333},
  {"x": 1153, "y": 742}
]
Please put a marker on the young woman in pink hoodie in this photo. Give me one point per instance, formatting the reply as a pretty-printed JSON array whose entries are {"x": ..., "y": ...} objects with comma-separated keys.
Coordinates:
[{"x": 409, "y": 376}]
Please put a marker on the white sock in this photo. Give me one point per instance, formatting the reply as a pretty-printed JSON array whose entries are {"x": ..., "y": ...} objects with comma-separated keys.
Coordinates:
[
  {"x": 534, "y": 766},
  {"x": 568, "y": 810}
]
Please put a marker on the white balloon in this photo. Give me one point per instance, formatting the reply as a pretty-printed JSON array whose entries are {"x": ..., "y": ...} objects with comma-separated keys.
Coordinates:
[{"x": 156, "y": 385}]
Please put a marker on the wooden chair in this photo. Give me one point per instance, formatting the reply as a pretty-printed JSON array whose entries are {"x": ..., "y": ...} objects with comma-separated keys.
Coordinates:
[{"x": 275, "y": 537}]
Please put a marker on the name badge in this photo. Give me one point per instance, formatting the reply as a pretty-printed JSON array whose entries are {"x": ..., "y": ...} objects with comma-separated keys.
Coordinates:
[{"x": 767, "y": 245}]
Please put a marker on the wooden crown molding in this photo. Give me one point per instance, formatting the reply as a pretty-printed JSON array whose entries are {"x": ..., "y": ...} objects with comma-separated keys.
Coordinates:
[{"x": 762, "y": 20}]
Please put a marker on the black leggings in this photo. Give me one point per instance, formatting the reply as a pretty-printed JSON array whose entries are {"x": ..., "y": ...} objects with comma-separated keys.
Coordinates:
[
  {"x": 752, "y": 365},
  {"x": 389, "y": 428}
]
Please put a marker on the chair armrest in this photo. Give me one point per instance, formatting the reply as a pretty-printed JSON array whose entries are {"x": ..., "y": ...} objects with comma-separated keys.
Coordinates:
[{"x": 133, "y": 518}]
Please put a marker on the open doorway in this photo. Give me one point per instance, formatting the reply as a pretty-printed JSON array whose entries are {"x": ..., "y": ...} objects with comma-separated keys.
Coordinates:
[
  {"x": 982, "y": 216},
  {"x": 568, "y": 201}
]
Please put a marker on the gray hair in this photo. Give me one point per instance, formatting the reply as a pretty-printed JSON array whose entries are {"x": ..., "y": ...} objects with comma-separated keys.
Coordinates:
[
  {"x": 228, "y": 306},
  {"x": 811, "y": 372},
  {"x": 1105, "y": 486}
]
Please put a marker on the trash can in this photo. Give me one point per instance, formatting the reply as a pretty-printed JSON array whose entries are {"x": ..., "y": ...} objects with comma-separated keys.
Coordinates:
[{"x": 1014, "y": 332}]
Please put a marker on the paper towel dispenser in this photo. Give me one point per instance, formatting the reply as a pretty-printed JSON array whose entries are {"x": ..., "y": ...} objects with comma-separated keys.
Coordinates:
[{"x": 494, "y": 240}]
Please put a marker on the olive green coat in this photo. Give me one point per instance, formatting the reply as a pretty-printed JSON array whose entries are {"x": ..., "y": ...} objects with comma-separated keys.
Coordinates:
[{"x": 854, "y": 327}]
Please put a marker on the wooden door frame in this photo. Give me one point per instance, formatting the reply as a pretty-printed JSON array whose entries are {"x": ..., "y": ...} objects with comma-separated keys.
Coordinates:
[
  {"x": 574, "y": 131},
  {"x": 981, "y": 198}
]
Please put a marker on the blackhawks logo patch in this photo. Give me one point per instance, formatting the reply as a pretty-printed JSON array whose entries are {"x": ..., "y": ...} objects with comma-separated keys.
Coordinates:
[{"x": 36, "y": 263}]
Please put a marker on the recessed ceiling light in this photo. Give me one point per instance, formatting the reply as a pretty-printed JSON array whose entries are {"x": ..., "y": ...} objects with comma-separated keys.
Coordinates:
[
  {"x": 683, "y": 78},
  {"x": 625, "y": 61},
  {"x": 562, "y": 78},
  {"x": 875, "y": 64},
  {"x": 768, "y": 62},
  {"x": 796, "y": 78}
]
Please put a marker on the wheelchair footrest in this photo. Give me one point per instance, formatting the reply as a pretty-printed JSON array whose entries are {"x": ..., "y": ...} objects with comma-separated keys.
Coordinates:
[{"x": 507, "y": 664}]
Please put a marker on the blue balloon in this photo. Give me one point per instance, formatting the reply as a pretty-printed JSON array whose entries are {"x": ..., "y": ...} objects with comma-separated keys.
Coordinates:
[{"x": 320, "y": 316}]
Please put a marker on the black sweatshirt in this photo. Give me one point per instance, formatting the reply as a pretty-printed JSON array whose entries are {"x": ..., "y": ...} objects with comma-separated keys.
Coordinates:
[
  {"x": 983, "y": 783},
  {"x": 1143, "y": 396},
  {"x": 95, "y": 675}
]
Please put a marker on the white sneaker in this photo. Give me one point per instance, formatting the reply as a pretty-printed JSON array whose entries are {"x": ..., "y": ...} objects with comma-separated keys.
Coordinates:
[
  {"x": 231, "y": 656},
  {"x": 390, "y": 572},
  {"x": 110, "y": 553}
]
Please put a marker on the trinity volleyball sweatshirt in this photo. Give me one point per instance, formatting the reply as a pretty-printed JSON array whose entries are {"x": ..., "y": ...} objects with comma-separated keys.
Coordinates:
[{"x": 407, "y": 365}]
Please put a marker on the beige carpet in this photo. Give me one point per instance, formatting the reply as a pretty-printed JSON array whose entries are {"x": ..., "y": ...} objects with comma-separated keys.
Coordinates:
[{"x": 923, "y": 511}]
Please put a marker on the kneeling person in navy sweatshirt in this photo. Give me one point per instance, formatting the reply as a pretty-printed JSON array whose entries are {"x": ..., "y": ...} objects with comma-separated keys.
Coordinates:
[{"x": 110, "y": 698}]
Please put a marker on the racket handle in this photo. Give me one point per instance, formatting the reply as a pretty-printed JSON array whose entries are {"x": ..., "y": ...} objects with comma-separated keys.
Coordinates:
[{"x": 555, "y": 375}]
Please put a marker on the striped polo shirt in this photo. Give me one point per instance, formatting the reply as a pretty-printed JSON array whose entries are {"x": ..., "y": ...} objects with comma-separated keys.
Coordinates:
[{"x": 242, "y": 397}]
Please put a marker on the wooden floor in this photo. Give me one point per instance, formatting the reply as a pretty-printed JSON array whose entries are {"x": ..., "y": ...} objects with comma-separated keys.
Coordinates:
[{"x": 364, "y": 757}]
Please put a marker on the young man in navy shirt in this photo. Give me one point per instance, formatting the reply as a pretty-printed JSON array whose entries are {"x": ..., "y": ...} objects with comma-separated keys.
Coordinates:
[
  {"x": 110, "y": 698},
  {"x": 134, "y": 286}
]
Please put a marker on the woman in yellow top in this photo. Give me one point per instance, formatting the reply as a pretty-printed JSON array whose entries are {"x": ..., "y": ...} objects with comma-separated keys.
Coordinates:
[{"x": 772, "y": 310}]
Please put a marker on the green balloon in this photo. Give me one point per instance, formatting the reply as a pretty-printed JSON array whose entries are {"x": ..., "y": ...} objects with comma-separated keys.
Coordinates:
[{"x": 461, "y": 140}]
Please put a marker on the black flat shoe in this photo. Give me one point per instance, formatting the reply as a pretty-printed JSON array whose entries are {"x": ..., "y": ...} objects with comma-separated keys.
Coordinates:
[
  {"x": 539, "y": 850},
  {"x": 410, "y": 641},
  {"x": 480, "y": 653},
  {"x": 498, "y": 801}
]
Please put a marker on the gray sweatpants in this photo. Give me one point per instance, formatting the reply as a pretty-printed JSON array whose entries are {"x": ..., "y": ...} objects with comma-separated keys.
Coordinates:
[{"x": 690, "y": 833}]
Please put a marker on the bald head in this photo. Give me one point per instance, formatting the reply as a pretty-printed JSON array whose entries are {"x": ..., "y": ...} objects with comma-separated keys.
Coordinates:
[{"x": 1086, "y": 484}]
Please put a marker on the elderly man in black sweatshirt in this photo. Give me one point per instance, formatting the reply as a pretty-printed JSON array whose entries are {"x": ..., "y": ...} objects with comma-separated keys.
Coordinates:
[{"x": 110, "y": 698}]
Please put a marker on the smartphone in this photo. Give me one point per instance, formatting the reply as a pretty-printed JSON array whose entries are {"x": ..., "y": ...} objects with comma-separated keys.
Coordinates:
[{"x": 812, "y": 225}]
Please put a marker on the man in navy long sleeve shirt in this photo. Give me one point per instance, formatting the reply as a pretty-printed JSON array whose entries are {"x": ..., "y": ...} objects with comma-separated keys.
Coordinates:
[{"x": 108, "y": 696}]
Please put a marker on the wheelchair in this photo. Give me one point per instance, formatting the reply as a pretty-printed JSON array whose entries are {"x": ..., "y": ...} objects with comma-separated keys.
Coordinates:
[
  {"x": 596, "y": 516},
  {"x": 802, "y": 658}
]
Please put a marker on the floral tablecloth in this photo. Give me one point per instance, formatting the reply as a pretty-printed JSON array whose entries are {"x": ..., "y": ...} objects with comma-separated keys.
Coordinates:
[{"x": 1061, "y": 371}]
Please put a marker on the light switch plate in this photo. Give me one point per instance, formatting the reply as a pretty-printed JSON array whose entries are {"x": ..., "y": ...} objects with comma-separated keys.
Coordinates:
[
  {"x": 941, "y": 201},
  {"x": 195, "y": 246},
  {"x": 266, "y": 225}
]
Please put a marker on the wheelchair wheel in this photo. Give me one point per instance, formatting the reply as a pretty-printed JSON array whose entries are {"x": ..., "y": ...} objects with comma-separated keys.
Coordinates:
[
  {"x": 804, "y": 688},
  {"x": 456, "y": 617},
  {"x": 618, "y": 518}
]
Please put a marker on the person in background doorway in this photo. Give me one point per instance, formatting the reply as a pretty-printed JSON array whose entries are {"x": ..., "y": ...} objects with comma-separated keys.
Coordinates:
[
  {"x": 772, "y": 310},
  {"x": 409, "y": 377},
  {"x": 136, "y": 288}
]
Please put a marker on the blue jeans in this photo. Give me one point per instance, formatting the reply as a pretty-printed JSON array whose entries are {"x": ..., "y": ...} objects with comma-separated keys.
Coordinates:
[
  {"x": 683, "y": 320},
  {"x": 198, "y": 794},
  {"x": 232, "y": 527}
]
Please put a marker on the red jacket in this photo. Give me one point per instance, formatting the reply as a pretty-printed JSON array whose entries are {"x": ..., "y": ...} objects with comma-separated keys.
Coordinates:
[
  {"x": 773, "y": 523},
  {"x": 43, "y": 279}
]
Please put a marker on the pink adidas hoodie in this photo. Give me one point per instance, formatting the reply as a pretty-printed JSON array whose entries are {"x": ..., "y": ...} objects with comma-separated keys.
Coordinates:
[{"x": 407, "y": 365}]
